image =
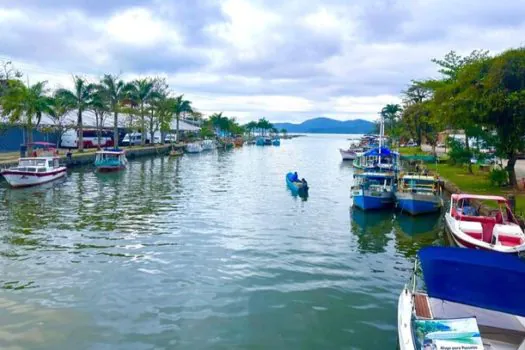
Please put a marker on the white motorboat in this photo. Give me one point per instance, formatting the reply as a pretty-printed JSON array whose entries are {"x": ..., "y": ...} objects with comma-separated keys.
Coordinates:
[
  {"x": 348, "y": 154},
  {"x": 31, "y": 171},
  {"x": 498, "y": 231},
  {"x": 194, "y": 147},
  {"x": 208, "y": 145},
  {"x": 473, "y": 300}
]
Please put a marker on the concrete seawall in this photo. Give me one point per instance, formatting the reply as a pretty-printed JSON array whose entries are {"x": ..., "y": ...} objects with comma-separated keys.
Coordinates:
[{"x": 80, "y": 159}]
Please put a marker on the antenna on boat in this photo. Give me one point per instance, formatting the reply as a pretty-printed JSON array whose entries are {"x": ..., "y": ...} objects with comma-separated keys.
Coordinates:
[{"x": 381, "y": 133}]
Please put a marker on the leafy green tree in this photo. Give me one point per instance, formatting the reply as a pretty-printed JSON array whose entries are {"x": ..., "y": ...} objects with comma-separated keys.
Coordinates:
[
  {"x": 116, "y": 93},
  {"x": 79, "y": 97},
  {"x": 25, "y": 105},
  {"x": 284, "y": 132},
  {"x": 391, "y": 114}
]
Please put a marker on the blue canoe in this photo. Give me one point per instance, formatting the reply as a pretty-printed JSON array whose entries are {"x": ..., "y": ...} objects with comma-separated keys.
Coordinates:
[{"x": 297, "y": 188}]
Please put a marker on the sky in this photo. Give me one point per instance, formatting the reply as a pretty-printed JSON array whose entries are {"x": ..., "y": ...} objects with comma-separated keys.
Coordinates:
[{"x": 284, "y": 60}]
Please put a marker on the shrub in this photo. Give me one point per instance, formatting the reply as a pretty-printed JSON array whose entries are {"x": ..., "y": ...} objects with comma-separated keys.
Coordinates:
[
  {"x": 498, "y": 177},
  {"x": 457, "y": 152}
]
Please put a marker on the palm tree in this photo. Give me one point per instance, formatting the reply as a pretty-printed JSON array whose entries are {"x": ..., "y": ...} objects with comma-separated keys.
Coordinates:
[
  {"x": 115, "y": 89},
  {"x": 251, "y": 126},
  {"x": 142, "y": 92},
  {"x": 284, "y": 132},
  {"x": 100, "y": 106},
  {"x": 59, "y": 110},
  {"x": 80, "y": 97},
  {"x": 180, "y": 105},
  {"x": 23, "y": 104},
  {"x": 162, "y": 107}
]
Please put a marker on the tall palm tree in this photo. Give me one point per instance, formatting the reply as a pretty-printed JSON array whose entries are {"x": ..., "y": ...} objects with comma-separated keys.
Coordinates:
[
  {"x": 142, "y": 92},
  {"x": 60, "y": 108},
  {"x": 80, "y": 97},
  {"x": 26, "y": 105},
  {"x": 115, "y": 89},
  {"x": 180, "y": 105},
  {"x": 100, "y": 106},
  {"x": 251, "y": 126}
]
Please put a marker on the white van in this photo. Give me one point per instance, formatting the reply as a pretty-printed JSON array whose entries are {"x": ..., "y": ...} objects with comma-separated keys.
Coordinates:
[{"x": 135, "y": 138}]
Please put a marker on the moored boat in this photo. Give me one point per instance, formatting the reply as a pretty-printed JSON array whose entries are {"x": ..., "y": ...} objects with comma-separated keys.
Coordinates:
[
  {"x": 208, "y": 145},
  {"x": 109, "y": 160},
  {"x": 473, "y": 300},
  {"x": 259, "y": 141},
  {"x": 348, "y": 154},
  {"x": 267, "y": 141},
  {"x": 297, "y": 186},
  {"x": 373, "y": 190},
  {"x": 499, "y": 230},
  {"x": 276, "y": 142},
  {"x": 176, "y": 153},
  {"x": 418, "y": 194},
  {"x": 31, "y": 171},
  {"x": 194, "y": 147},
  {"x": 238, "y": 141}
]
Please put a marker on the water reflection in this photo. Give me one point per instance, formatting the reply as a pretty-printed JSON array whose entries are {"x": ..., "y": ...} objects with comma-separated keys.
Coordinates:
[
  {"x": 371, "y": 228},
  {"x": 416, "y": 232}
]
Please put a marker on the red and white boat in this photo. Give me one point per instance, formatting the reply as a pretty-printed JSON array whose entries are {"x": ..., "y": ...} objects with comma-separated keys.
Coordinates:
[
  {"x": 31, "y": 171},
  {"x": 499, "y": 231}
]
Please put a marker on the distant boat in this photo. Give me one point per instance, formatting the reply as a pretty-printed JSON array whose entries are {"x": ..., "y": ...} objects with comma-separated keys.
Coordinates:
[
  {"x": 297, "y": 187},
  {"x": 32, "y": 171},
  {"x": 238, "y": 141},
  {"x": 176, "y": 153},
  {"x": 194, "y": 147},
  {"x": 348, "y": 154},
  {"x": 276, "y": 142},
  {"x": 208, "y": 145},
  {"x": 259, "y": 141},
  {"x": 418, "y": 194},
  {"x": 267, "y": 141},
  {"x": 110, "y": 160}
]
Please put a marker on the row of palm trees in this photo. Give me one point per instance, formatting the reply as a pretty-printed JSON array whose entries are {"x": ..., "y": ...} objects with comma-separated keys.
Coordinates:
[
  {"x": 148, "y": 99},
  {"x": 262, "y": 126}
]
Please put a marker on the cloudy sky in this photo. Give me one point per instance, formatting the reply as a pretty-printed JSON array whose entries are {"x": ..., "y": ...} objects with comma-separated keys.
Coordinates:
[{"x": 286, "y": 60}]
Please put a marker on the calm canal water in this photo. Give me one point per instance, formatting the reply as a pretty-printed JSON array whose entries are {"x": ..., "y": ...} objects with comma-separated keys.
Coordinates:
[{"x": 205, "y": 252}]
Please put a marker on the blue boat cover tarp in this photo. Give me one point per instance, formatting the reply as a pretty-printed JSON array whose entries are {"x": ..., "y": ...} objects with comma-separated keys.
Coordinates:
[
  {"x": 379, "y": 151},
  {"x": 484, "y": 279}
]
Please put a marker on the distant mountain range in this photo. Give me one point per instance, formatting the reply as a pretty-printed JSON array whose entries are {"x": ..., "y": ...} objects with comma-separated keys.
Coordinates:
[{"x": 328, "y": 126}]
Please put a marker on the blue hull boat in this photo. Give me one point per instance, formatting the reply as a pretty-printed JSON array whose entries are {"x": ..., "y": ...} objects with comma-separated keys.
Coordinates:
[
  {"x": 259, "y": 141},
  {"x": 276, "y": 142},
  {"x": 368, "y": 201},
  {"x": 418, "y": 194},
  {"x": 373, "y": 190},
  {"x": 297, "y": 187},
  {"x": 415, "y": 206}
]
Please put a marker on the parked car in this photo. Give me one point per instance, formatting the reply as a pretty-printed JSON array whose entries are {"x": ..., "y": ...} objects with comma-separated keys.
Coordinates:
[
  {"x": 411, "y": 144},
  {"x": 440, "y": 145},
  {"x": 170, "y": 138},
  {"x": 132, "y": 139}
]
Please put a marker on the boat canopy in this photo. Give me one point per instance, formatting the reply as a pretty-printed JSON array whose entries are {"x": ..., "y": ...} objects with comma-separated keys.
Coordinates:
[
  {"x": 484, "y": 279},
  {"x": 379, "y": 151},
  {"x": 460, "y": 196}
]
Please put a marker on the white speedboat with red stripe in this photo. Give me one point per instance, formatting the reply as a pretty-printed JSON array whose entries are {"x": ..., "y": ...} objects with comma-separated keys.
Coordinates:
[
  {"x": 497, "y": 231},
  {"x": 31, "y": 171}
]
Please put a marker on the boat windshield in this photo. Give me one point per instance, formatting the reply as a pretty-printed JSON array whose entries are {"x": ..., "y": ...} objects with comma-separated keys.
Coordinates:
[{"x": 32, "y": 162}]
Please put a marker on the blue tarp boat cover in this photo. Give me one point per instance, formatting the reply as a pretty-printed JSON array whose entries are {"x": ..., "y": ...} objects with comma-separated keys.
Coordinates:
[
  {"x": 379, "y": 151},
  {"x": 484, "y": 279}
]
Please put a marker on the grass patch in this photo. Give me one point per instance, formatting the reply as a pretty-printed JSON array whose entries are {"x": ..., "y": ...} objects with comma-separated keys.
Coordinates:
[
  {"x": 412, "y": 151},
  {"x": 476, "y": 183}
]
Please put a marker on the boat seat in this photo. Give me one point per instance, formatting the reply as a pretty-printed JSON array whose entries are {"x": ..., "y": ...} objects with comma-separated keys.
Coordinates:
[
  {"x": 476, "y": 235},
  {"x": 508, "y": 240},
  {"x": 474, "y": 227}
]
